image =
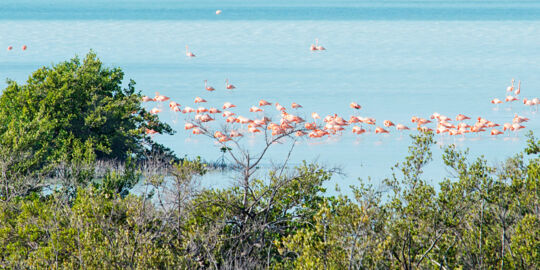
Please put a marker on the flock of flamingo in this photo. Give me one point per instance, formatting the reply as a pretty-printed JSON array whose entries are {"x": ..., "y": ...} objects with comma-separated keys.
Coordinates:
[{"x": 290, "y": 123}]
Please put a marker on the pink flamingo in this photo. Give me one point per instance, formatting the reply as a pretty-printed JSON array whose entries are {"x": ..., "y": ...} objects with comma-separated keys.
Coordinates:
[
  {"x": 518, "y": 90},
  {"x": 229, "y": 86},
  {"x": 209, "y": 88},
  {"x": 319, "y": 47},
  {"x": 188, "y": 53}
]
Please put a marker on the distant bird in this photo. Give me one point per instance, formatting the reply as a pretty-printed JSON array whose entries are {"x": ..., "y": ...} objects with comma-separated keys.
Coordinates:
[
  {"x": 510, "y": 98},
  {"x": 188, "y": 53},
  {"x": 263, "y": 102},
  {"x": 188, "y": 110},
  {"x": 461, "y": 117},
  {"x": 199, "y": 100},
  {"x": 255, "y": 109},
  {"x": 160, "y": 98},
  {"x": 496, "y": 101},
  {"x": 229, "y": 86},
  {"x": 24, "y": 47},
  {"x": 147, "y": 99},
  {"x": 218, "y": 12},
  {"x": 155, "y": 111},
  {"x": 510, "y": 88},
  {"x": 355, "y": 105},
  {"x": 319, "y": 47},
  {"x": 401, "y": 127},
  {"x": 9, "y": 48},
  {"x": 381, "y": 130},
  {"x": 279, "y": 107},
  {"x": 518, "y": 90},
  {"x": 496, "y": 132},
  {"x": 209, "y": 88},
  {"x": 228, "y": 105},
  {"x": 296, "y": 105},
  {"x": 388, "y": 123}
]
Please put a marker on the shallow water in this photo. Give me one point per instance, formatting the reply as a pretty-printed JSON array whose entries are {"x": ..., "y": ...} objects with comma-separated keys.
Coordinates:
[{"x": 395, "y": 58}]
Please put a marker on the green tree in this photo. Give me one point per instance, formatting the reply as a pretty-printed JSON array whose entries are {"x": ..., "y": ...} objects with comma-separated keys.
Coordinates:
[{"x": 75, "y": 111}]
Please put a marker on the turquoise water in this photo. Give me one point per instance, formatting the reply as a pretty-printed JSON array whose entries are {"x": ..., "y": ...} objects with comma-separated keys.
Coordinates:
[{"x": 395, "y": 58}]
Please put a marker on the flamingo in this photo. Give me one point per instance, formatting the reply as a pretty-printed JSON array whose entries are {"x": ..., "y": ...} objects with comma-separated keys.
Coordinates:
[
  {"x": 24, "y": 47},
  {"x": 296, "y": 105},
  {"x": 160, "y": 98},
  {"x": 188, "y": 110},
  {"x": 227, "y": 114},
  {"x": 518, "y": 90},
  {"x": 528, "y": 102},
  {"x": 315, "y": 115},
  {"x": 381, "y": 130},
  {"x": 218, "y": 12},
  {"x": 519, "y": 119},
  {"x": 201, "y": 110},
  {"x": 510, "y": 88},
  {"x": 209, "y": 88},
  {"x": 189, "y": 126},
  {"x": 199, "y": 100},
  {"x": 496, "y": 101},
  {"x": 206, "y": 118},
  {"x": 9, "y": 48},
  {"x": 536, "y": 102},
  {"x": 355, "y": 105},
  {"x": 516, "y": 127},
  {"x": 150, "y": 131},
  {"x": 229, "y": 86},
  {"x": 155, "y": 111},
  {"x": 319, "y": 47},
  {"x": 235, "y": 133},
  {"x": 263, "y": 102},
  {"x": 401, "y": 127},
  {"x": 173, "y": 104},
  {"x": 147, "y": 99},
  {"x": 461, "y": 117},
  {"x": 255, "y": 109},
  {"x": 279, "y": 107},
  {"x": 228, "y": 105},
  {"x": 510, "y": 98},
  {"x": 188, "y": 53},
  {"x": 197, "y": 131},
  {"x": 388, "y": 123},
  {"x": 253, "y": 130},
  {"x": 213, "y": 111},
  {"x": 230, "y": 119}
]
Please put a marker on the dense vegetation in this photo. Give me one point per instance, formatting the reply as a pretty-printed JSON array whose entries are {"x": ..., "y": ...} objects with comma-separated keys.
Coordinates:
[
  {"x": 483, "y": 217},
  {"x": 71, "y": 114}
]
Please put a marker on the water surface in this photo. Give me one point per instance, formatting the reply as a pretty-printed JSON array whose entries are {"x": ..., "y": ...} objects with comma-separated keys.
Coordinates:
[{"x": 396, "y": 58}]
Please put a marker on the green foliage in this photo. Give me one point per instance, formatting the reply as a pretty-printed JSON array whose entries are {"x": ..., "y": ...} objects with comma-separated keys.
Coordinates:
[
  {"x": 533, "y": 146},
  {"x": 120, "y": 183},
  {"x": 74, "y": 112}
]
